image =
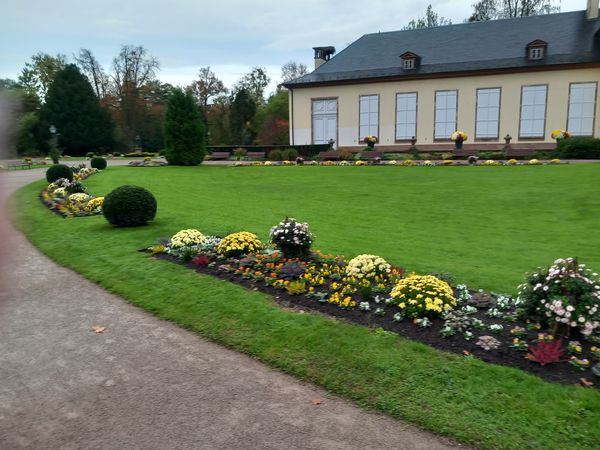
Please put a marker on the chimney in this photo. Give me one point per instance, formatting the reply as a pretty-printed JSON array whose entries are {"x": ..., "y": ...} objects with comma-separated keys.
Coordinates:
[
  {"x": 592, "y": 10},
  {"x": 324, "y": 54}
]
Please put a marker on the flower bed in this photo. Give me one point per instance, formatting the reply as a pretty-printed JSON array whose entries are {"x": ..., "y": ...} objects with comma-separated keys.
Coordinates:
[
  {"x": 148, "y": 162},
  {"x": 368, "y": 291},
  {"x": 69, "y": 198}
]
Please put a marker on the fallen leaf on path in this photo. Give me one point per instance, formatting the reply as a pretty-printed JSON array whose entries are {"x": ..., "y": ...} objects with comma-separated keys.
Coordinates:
[
  {"x": 585, "y": 382},
  {"x": 98, "y": 329},
  {"x": 317, "y": 401},
  {"x": 467, "y": 353}
]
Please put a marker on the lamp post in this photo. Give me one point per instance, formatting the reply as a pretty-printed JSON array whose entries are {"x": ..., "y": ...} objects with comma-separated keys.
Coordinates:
[{"x": 54, "y": 153}]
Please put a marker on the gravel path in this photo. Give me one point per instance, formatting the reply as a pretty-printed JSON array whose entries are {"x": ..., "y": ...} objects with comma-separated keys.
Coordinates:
[{"x": 144, "y": 383}]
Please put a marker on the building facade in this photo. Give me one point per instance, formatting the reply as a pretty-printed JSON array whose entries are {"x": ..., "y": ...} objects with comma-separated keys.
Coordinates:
[{"x": 519, "y": 77}]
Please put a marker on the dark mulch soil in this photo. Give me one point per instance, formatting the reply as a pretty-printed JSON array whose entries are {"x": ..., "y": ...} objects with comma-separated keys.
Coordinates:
[{"x": 561, "y": 372}]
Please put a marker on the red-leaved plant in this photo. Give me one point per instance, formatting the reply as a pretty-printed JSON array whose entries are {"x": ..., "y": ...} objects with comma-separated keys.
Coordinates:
[
  {"x": 546, "y": 352},
  {"x": 201, "y": 261}
]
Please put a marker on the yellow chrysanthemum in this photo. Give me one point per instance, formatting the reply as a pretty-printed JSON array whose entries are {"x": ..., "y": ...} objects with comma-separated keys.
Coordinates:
[{"x": 422, "y": 295}]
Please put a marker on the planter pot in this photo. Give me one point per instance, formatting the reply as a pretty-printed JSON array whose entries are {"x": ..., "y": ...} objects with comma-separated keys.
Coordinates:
[
  {"x": 294, "y": 251},
  {"x": 371, "y": 145},
  {"x": 458, "y": 144}
]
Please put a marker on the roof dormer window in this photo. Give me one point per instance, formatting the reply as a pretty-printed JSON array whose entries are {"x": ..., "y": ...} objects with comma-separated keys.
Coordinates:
[
  {"x": 536, "y": 50},
  {"x": 536, "y": 53},
  {"x": 409, "y": 60}
]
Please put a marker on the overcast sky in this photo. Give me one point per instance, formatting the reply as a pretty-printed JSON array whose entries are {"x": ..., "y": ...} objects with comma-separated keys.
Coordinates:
[{"x": 231, "y": 36}]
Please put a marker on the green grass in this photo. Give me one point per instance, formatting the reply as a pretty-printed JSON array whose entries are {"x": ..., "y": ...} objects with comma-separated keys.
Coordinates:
[{"x": 485, "y": 225}]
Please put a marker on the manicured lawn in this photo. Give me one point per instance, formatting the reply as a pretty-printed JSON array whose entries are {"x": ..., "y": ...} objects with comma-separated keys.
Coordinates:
[{"x": 484, "y": 225}]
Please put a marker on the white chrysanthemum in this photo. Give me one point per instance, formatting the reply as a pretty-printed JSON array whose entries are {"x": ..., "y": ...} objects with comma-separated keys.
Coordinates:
[{"x": 367, "y": 266}]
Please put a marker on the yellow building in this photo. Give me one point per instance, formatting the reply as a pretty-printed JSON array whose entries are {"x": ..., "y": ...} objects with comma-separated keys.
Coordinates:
[{"x": 519, "y": 77}]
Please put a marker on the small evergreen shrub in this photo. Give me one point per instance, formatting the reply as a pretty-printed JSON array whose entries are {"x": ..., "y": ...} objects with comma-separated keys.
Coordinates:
[
  {"x": 346, "y": 155},
  {"x": 185, "y": 134},
  {"x": 275, "y": 155},
  {"x": 98, "y": 163},
  {"x": 90, "y": 154},
  {"x": 578, "y": 147},
  {"x": 289, "y": 154},
  {"x": 129, "y": 206},
  {"x": 57, "y": 171},
  {"x": 240, "y": 153},
  {"x": 54, "y": 155}
]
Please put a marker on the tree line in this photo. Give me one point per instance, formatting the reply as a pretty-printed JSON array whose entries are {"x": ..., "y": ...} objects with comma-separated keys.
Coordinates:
[{"x": 123, "y": 107}]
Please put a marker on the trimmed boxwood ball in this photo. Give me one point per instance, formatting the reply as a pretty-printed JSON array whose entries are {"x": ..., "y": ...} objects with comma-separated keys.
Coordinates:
[
  {"x": 57, "y": 171},
  {"x": 129, "y": 206},
  {"x": 98, "y": 163}
]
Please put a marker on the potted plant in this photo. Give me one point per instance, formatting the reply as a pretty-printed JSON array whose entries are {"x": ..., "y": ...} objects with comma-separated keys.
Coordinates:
[
  {"x": 559, "y": 134},
  {"x": 370, "y": 141},
  {"x": 458, "y": 137}
]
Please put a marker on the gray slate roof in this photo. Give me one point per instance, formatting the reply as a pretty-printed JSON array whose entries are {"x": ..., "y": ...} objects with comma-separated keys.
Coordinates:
[{"x": 497, "y": 44}]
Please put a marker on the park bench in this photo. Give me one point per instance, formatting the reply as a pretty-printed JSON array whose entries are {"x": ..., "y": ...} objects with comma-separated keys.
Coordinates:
[
  {"x": 256, "y": 155},
  {"x": 14, "y": 165},
  {"x": 371, "y": 155},
  {"x": 329, "y": 156},
  {"x": 219, "y": 155}
]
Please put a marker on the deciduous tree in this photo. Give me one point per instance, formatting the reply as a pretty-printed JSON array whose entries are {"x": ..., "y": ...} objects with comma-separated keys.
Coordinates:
[
  {"x": 503, "y": 9},
  {"x": 133, "y": 68},
  {"x": 90, "y": 66},
  {"x": 207, "y": 87},
  {"x": 254, "y": 83},
  {"x": 292, "y": 70},
  {"x": 39, "y": 73},
  {"x": 431, "y": 19}
]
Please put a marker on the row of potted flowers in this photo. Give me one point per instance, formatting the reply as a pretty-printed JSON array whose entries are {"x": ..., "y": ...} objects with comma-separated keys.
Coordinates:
[
  {"x": 408, "y": 162},
  {"x": 369, "y": 290}
]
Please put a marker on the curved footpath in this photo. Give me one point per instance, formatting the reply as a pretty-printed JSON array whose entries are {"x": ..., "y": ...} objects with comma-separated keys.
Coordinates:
[{"x": 146, "y": 383}]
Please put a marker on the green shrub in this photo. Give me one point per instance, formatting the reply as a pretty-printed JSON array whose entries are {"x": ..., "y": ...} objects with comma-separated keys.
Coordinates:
[
  {"x": 139, "y": 155},
  {"x": 90, "y": 154},
  {"x": 98, "y": 163},
  {"x": 185, "y": 134},
  {"x": 57, "y": 171},
  {"x": 239, "y": 153},
  {"x": 275, "y": 155},
  {"x": 117, "y": 154},
  {"x": 347, "y": 155},
  {"x": 495, "y": 155},
  {"x": 54, "y": 154},
  {"x": 289, "y": 154},
  {"x": 129, "y": 206},
  {"x": 578, "y": 147}
]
